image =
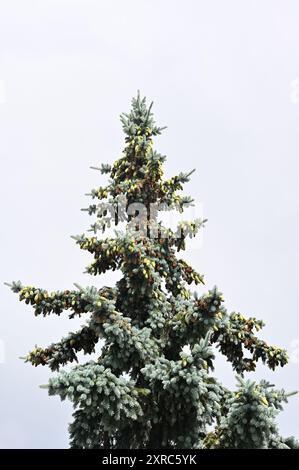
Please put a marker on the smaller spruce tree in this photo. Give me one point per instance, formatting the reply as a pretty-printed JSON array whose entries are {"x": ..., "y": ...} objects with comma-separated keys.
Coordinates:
[{"x": 144, "y": 390}]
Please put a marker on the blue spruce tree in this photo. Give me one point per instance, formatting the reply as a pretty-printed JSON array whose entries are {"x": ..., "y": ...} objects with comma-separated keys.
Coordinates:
[{"x": 143, "y": 390}]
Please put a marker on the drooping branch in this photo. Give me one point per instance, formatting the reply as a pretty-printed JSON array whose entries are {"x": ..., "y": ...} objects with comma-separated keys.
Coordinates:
[{"x": 63, "y": 352}]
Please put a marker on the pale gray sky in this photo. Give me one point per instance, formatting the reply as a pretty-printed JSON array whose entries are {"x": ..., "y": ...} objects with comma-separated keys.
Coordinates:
[{"x": 220, "y": 74}]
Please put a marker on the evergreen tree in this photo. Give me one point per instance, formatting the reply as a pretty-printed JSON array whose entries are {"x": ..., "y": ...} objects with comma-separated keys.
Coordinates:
[{"x": 144, "y": 390}]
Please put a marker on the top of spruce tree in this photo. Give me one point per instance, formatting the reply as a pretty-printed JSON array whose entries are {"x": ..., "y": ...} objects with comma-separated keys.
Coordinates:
[{"x": 143, "y": 389}]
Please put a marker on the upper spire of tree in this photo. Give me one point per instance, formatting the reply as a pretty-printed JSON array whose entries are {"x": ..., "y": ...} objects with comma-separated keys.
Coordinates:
[{"x": 140, "y": 120}]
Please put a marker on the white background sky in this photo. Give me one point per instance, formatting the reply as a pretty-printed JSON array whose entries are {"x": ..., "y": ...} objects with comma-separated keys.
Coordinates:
[{"x": 220, "y": 74}]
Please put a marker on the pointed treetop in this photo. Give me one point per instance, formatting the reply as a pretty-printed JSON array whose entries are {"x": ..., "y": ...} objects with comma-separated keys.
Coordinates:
[{"x": 140, "y": 119}]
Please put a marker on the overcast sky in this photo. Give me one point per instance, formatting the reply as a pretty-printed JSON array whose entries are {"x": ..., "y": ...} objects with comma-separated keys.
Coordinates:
[{"x": 222, "y": 75}]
